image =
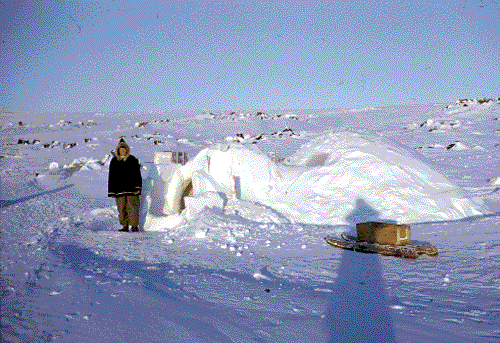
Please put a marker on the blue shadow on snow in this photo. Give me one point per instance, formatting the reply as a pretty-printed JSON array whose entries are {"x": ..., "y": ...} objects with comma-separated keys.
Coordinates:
[
  {"x": 5, "y": 203},
  {"x": 168, "y": 299},
  {"x": 358, "y": 310}
]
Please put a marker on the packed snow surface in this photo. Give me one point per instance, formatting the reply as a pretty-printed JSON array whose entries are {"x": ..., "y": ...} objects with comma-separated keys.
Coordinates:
[{"x": 245, "y": 260}]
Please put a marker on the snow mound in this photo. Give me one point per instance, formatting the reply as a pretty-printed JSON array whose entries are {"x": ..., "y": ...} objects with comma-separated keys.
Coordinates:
[
  {"x": 354, "y": 177},
  {"x": 337, "y": 178}
]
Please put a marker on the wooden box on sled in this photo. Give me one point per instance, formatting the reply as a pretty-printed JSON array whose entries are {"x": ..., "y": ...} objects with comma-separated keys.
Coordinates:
[{"x": 384, "y": 233}]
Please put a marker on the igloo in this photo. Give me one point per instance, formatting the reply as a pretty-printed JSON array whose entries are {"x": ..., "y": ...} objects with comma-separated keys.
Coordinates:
[{"x": 337, "y": 178}]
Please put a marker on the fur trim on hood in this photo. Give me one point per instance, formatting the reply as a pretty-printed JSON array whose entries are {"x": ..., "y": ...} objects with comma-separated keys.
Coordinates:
[{"x": 121, "y": 144}]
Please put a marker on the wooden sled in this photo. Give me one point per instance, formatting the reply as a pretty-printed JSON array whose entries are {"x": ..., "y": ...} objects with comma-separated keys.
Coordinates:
[{"x": 405, "y": 251}]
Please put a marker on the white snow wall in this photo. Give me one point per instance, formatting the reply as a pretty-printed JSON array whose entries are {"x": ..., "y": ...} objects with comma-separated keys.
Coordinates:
[
  {"x": 163, "y": 193},
  {"x": 338, "y": 178}
]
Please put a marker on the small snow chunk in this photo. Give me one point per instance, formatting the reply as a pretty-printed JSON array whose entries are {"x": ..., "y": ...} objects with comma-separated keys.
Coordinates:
[
  {"x": 167, "y": 240},
  {"x": 259, "y": 276},
  {"x": 495, "y": 181},
  {"x": 200, "y": 234},
  {"x": 447, "y": 278},
  {"x": 55, "y": 293},
  {"x": 326, "y": 290},
  {"x": 151, "y": 268},
  {"x": 53, "y": 165},
  {"x": 303, "y": 246}
]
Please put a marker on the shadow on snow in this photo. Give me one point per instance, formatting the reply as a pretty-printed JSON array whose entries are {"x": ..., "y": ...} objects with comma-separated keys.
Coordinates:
[
  {"x": 358, "y": 310},
  {"x": 166, "y": 301},
  {"x": 5, "y": 203}
]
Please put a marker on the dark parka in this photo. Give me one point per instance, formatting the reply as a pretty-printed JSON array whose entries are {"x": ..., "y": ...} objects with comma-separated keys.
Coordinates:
[{"x": 124, "y": 173}]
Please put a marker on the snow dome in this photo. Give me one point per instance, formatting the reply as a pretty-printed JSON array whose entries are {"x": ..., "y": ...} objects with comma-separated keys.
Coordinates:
[{"x": 337, "y": 178}]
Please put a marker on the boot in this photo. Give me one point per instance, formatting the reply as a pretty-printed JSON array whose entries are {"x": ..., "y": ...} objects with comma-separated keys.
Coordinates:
[
  {"x": 135, "y": 229},
  {"x": 124, "y": 228}
]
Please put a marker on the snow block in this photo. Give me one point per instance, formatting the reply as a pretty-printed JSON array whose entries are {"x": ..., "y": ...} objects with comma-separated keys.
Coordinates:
[
  {"x": 196, "y": 203},
  {"x": 203, "y": 182},
  {"x": 166, "y": 186},
  {"x": 165, "y": 157},
  {"x": 160, "y": 177},
  {"x": 384, "y": 233},
  {"x": 163, "y": 195}
]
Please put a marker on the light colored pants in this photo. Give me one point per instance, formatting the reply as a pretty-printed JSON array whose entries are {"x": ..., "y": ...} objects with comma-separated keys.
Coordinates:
[{"x": 128, "y": 210}]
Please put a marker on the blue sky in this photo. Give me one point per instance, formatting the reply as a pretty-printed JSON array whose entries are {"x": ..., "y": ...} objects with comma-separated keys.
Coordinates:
[{"x": 231, "y": 55}]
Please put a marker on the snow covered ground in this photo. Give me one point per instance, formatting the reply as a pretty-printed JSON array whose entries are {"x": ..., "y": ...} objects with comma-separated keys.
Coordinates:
[{"x": 259, "y": 270}]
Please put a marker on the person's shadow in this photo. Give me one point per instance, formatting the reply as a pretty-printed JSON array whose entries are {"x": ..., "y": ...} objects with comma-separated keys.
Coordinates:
[{"x": 358, "y": 310}]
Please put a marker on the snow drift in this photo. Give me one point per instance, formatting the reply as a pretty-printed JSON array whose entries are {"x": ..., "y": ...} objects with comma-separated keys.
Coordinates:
[{"x": 337, "y": 178}]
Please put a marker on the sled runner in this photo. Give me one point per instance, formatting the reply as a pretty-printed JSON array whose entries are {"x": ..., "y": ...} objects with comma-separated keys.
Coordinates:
[{"x": 405, "y": 251}]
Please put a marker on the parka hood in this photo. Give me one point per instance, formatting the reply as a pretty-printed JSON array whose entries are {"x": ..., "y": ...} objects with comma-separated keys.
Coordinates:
[{"x": 121, "y": 144}]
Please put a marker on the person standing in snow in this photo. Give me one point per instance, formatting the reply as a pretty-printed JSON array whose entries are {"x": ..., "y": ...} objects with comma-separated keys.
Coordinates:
[{"x": 124, "y": 184}]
